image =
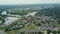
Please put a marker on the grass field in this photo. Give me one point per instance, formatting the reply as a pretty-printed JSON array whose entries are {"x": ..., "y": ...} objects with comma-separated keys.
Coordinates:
[{"x": 30, "y": 27}]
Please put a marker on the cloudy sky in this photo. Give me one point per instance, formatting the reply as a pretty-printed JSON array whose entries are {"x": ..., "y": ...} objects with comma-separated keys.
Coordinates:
[{"x": 6, "y": 2}]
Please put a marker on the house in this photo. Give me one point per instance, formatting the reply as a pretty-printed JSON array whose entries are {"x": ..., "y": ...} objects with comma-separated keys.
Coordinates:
[{"x": 33, "y": 32}]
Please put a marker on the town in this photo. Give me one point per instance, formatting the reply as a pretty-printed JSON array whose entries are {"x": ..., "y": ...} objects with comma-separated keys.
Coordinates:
[{"x": 28, "y": 21}]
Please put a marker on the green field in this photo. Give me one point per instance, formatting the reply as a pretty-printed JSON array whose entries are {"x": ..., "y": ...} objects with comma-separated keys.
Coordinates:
[{"x": 30, "y": 27}]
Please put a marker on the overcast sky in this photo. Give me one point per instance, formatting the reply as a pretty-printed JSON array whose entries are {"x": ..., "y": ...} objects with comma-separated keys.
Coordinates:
[{"x": 6, "y": 2}]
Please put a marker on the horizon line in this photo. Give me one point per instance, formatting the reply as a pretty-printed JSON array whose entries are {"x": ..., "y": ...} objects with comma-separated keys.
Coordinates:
[{"x": 29, "y": 4}]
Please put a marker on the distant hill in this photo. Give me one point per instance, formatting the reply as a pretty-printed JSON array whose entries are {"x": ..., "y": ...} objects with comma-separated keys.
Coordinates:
[{"x": 30, "y": 5}]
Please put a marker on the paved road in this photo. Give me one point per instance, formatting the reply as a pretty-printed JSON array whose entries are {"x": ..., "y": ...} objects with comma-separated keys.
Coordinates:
[{"x": 1, "y": 32}]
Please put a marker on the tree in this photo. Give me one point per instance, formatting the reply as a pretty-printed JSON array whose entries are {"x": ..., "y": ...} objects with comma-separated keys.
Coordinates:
[{"x": 48, "y": 31}]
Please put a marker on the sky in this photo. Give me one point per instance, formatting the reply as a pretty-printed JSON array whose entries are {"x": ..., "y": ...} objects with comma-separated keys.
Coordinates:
[{"x": 8, "y": 2}]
